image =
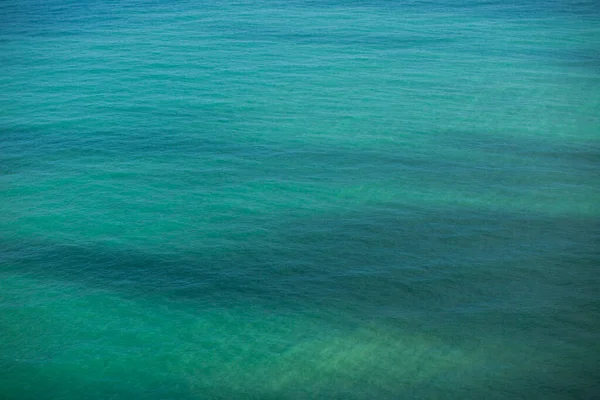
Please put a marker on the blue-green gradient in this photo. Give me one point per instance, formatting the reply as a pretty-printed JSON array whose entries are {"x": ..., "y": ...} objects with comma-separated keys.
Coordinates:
[{"x": 246, "y": 199}]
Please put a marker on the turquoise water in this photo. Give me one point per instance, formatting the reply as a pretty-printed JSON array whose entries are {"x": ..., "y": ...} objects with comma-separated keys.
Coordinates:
[{"x": 299, "y": 199}]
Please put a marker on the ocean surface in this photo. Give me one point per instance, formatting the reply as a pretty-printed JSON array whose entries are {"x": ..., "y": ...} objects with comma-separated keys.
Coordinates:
[{"x": 297, "y": 199}]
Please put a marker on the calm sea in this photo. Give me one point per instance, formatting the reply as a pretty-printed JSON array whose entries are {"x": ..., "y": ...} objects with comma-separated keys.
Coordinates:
[{"x": 297, "y": 199}]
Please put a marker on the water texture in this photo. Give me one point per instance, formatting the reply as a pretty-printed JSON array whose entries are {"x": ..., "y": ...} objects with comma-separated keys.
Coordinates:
[{"x": 299, "y": 199}]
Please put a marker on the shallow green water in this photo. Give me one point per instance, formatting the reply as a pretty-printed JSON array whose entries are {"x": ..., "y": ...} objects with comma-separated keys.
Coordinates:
[{"x": 288, "y": 200}]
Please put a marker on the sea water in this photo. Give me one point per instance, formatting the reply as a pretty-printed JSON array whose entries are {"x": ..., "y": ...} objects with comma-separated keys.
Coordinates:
[{"x": 269, "y": 199}]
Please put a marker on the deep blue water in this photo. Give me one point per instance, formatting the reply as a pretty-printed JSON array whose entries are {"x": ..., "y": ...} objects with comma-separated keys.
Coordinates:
[{"x": 299, "y": 199}]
